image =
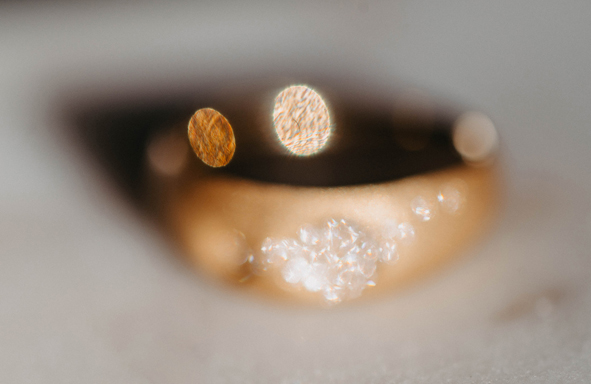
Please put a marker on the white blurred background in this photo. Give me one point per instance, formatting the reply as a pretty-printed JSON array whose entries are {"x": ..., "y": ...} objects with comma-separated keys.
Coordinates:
[{"x": 89, "y": 293}]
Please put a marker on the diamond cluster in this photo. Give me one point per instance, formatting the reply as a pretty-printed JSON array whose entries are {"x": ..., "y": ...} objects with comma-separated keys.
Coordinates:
[{"x": 337, "y": 259}]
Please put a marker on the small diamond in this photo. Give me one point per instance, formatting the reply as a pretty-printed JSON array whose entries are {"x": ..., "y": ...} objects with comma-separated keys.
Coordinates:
[
  {"x": 406, "y": 232},
  {"x": 267, "y": 244},
  {"x": 276, "y": 251},
  {"x": 422, "y": 208},
  {"x": 345, "y": 276},
  {"x": 370, "y": 249},
  {"x": 333, "y": 294},
  {"x": 309, "y": 235},
  {"x": 295, "y": 270},
  {"x": 356, "y": 285},
  {"x": 316, "y": 278},
  {"x": 367, "y": 267},
  {"x": 450, "y": 198},
  {"x": 389, "y": 252}
]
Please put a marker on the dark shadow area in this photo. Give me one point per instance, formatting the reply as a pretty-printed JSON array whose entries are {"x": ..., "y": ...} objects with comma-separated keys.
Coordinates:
[{"x": 370, "y": 144}]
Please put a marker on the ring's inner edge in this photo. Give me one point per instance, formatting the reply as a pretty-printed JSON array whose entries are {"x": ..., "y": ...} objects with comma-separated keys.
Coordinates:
[{"x": 365, "y": 147}]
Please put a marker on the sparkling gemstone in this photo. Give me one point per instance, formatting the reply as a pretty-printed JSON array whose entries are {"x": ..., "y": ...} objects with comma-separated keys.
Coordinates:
[
  {"x": 356, "y": 285},
  {"x": 309, "y": 235},
  {"x": 450, "y": 198},
  {"x": 295, "y": 270},
  {"x": 337, "y": 259},
  {"x": 276, "y": 251},
  {"x": 350, "y": 259},
  {"x": 422, "y": 208},
  {"x": 406, "y": 232},
  {"x": 389, "y": 251},
  {"x": 333, "y": 294},
  {"x": 371, "y": 252},
  {"x": 345, "y": 277},
  {"x": 316, "y": 278},
  {"x": 268, "y": 244},
  {"x": 367, "y": 267}
]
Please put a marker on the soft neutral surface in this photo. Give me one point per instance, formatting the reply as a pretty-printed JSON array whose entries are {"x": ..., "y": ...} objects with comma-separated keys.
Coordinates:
[{"x": 90, "y": 294}]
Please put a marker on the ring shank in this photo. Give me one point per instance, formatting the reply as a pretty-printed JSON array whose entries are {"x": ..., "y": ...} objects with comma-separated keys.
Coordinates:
[{"x": 220, "y": 220}]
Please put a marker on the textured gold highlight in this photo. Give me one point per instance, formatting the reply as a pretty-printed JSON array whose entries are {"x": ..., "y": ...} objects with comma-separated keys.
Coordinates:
[
  {"x": 212, "y": 137},
  {"x": 301, "y": 120}
]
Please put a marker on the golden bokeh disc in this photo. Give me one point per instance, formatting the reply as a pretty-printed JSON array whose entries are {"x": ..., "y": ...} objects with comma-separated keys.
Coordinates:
[{"x": 212, "y": 137}]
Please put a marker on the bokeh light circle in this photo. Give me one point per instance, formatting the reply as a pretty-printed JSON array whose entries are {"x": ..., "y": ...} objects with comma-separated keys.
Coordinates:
[
  {"x": 475, "y": 137},
  {"x": 301, "y": 120},
  {"x": 212, "y": 137}
]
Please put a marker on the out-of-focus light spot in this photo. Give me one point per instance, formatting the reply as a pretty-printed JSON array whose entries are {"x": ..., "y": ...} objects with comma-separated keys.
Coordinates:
[
  {"x": 301, "y": 120},
  {"x": 211, "y": 137},
  {"x": 475, "y": 137},
  {"x": 167, "y": 153}
]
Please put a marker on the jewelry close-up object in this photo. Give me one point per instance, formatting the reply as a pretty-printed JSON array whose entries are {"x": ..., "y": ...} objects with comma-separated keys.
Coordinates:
[{"x": 320, "y": 196}]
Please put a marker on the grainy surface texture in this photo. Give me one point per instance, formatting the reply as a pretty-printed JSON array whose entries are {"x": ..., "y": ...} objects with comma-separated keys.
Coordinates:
[
  {"x": 90, "y": 294},
  {"x": 301, "y": 120},
  {"x": 211, "y": 137}
]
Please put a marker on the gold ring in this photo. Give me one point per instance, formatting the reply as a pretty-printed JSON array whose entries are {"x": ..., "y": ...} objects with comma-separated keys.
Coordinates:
[{"x": 320, "y": 196}]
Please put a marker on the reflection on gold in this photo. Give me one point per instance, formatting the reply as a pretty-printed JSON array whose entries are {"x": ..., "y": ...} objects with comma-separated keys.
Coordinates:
[
  {"x": 211, "y": 137},
  {"x": 301, "y": 120}
]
